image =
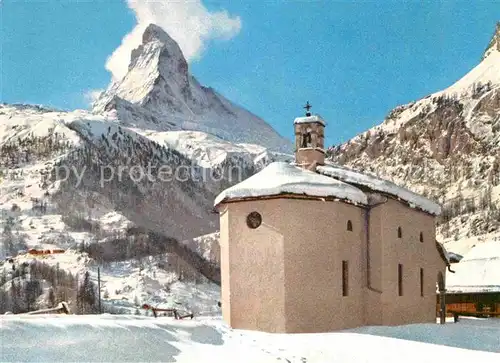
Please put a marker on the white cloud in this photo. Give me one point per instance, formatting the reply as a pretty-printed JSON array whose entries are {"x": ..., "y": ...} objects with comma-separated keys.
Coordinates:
[
  {"x": 92, "y": 95},
  {"x": 188, "y": 22}
]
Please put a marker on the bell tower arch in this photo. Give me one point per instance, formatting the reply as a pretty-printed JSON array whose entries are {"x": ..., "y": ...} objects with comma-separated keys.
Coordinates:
[{"x": 309, "y": 140}]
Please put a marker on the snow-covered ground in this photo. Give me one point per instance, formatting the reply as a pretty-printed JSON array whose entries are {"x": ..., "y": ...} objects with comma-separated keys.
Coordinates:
[{"x": 125, "y": 338}]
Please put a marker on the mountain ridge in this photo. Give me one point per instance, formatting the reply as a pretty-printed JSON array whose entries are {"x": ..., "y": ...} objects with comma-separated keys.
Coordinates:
[
  {"x": 494, "y": 44},
  {"x": 445, "y": 146}
]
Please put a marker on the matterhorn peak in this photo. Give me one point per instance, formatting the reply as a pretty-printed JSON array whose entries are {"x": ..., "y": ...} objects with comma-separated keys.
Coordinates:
[
  {"x": 161, "y": 51},
  {"x": 494, "y": 45},
  {"x": 158, "y": 93},
  {"x": 154, "y": 32},
  {"x": 157, "y": 70}
]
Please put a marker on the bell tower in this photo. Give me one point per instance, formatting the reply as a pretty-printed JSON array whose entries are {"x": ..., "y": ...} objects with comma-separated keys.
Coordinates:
[{"x": 309, "y": 140}]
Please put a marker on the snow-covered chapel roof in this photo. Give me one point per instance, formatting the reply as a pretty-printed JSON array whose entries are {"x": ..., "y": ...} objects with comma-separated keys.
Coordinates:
[
  {"x": 379, "y": 185},
  {"x": 280, "y": 178},
  {"x": 328, "y": 181}
]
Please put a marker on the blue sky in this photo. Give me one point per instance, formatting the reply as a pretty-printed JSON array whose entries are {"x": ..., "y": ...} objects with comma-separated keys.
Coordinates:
[{"x": 353, "y": 61}]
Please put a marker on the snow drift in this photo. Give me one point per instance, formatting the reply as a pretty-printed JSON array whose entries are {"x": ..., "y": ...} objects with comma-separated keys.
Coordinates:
[{"x": 111, "y": 338}]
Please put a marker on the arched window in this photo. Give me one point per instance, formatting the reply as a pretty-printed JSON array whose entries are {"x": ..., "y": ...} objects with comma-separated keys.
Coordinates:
[
  {"x": 307, "y": 138},
  {"x": 400, "y": 232},
  {"x": 349, "y": 225},
  {"x": 421, "y": 236}
]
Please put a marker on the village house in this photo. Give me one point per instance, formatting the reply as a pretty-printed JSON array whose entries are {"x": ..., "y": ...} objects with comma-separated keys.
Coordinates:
[
  {"x": 313, "y": 247},
  {"x": 474, "y": 287}
]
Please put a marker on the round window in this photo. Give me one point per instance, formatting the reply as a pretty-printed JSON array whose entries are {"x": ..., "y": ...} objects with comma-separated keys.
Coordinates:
[{"x": 254, "y": 220}]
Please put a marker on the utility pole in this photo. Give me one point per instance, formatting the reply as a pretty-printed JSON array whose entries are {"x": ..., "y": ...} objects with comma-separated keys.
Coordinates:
[
  {"x": 99, "y": 287},
  {"x": 442, "y": 310}
]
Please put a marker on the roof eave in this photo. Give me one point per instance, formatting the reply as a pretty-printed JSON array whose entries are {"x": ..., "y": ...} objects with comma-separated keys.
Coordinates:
[
  {"x": 443, "y": 255},
  {"x": 310, "y": 122},
  {"x": 288, "y": 196}
]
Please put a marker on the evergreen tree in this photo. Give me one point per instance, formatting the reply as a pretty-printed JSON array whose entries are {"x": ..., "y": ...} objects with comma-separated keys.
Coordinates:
[
  {"x": 86, "y": 298},
  {"x": 33, "y": 290},
  {"x": 52, "y": 298}
]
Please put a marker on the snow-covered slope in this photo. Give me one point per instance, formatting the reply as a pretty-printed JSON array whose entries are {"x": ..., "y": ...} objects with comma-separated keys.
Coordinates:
[
  {"x": 445, "y": 146},
  {"x": 63, "y": 157},
  {"x": 41, "y": 207},
  {"x": 19, "y": 121},
  {"x": 210, "y": 151},
  {"x": 159, "y": 93},
  {"x": 163, "y": 280}
]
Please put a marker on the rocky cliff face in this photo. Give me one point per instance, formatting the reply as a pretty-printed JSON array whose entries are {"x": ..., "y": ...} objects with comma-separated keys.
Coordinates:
[{"x": 446, "y": 146}]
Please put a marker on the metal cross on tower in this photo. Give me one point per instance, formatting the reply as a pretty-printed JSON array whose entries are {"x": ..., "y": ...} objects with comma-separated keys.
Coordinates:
[{"x": 307, "y": 107}]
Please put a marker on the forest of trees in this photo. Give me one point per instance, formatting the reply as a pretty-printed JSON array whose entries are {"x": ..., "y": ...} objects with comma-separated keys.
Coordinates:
[
  {"x": 26, "y": 149},
  {"x": 11, "y": 241},
  {"x": 140, "y": 244},
  {"x": 487, "y": 212},
  {"x": 38, "y": 285},
  {"x": 461, "y": 205}
]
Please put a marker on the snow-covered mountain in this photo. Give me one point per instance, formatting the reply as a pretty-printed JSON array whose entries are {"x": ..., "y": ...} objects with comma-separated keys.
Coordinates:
[
  {"x": 93, "y": 183},
  {"x": 446, "y": 146},
  {"x": 158, "y": 93},
  {"x": 54, "y": 193}
]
